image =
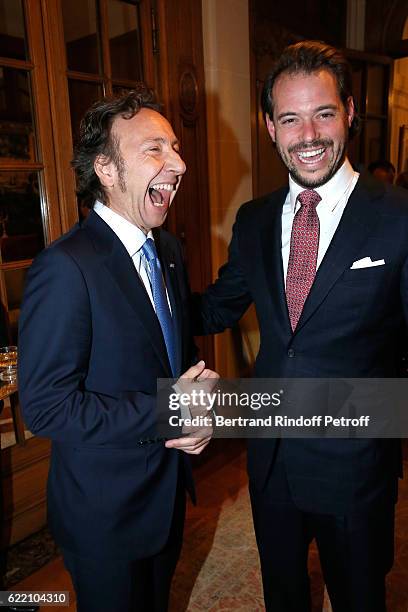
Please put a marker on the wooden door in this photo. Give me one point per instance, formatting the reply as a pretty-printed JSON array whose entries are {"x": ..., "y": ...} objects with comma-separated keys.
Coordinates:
[{"x": 182, "y": 87}]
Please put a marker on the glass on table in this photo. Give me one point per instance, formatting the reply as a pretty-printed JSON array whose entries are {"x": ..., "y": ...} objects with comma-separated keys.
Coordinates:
[{"x": 8, "y": 363}]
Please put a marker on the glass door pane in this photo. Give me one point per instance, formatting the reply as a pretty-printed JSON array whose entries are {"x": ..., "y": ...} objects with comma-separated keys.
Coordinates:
[
  {"x": 124, "y": 40},
  {"x": 12, "y": 30},
  {"x": 376, "y": 87},
  {"x": 82, "y": 95},
  {"x": 21, "y": 228},
  {"x": 81, "y": 35},
  {"x": 17, "y": 135}
]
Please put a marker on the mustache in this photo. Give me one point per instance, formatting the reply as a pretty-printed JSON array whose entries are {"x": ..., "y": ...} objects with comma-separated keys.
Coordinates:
[{"x": 304, "y": 146}]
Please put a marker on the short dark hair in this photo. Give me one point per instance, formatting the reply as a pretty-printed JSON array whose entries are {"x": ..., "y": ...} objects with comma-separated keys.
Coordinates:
[
  {"x": 96, "y": 137},
  {"x": 307, "y": 57}
]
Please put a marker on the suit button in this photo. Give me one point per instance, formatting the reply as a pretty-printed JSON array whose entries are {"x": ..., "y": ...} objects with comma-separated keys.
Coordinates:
[{"x": 291, "y": 352}]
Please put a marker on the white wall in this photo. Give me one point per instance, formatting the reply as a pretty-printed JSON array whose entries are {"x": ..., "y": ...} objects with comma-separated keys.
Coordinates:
[{"x": 227, "y": 80}]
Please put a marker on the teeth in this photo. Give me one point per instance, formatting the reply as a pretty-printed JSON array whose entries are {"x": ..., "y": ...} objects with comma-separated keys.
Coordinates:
[
  {"x": 160, "y": 187},
  {"x": 304, "y": 154},
  {"x": 163, "y": 186}
]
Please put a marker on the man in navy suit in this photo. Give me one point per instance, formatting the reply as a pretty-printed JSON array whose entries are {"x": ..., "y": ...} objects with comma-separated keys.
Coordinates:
[
  {"x": 325, "y": 260},
  {"x": 104, "y": 316}
]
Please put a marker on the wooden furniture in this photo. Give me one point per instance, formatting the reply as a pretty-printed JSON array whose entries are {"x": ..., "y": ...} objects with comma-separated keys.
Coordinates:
[{"x": 24, "y": 468}]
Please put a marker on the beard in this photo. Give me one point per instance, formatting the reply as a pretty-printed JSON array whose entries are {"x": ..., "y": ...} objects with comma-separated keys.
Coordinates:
[{"x": 338, "y": 153}]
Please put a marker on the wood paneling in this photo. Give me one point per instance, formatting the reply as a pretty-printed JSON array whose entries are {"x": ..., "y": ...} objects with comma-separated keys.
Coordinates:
[
  {"x": 181, "y": 68},
  {"x": 59, "y": 123},
  {"x": 24, "y": 472}
]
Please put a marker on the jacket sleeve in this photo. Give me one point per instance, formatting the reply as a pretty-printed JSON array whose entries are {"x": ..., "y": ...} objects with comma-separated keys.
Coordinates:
[
  {"x": 226, "y": 300},
  {"x": 55, "y": 341}
]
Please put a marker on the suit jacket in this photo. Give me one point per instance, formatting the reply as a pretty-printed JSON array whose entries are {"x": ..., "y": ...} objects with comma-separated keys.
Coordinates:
[
  {"x": 350, "y": 326},
  {"x": 90, "y": 351}
]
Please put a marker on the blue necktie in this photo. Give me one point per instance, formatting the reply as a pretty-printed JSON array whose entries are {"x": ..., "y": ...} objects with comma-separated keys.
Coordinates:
[{"x": 160, "y": 300}]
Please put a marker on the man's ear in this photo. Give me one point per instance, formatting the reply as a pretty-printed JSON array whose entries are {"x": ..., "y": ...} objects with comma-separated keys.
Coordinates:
[
  {"x": 105, "y": 170},
  {"x": 350, "y": 110},
  {"x": 271, "y": 128}
]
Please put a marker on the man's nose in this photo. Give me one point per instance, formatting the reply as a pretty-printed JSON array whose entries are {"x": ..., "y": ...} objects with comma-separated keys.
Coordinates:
[
  {"x": 175, "y": 163},
  {"x": 310, "y": 130}
]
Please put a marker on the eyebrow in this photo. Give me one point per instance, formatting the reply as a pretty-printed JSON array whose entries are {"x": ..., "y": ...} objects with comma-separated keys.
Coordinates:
[
  {"x": 161, "y": 140},
  {"x": 316, "y": 110}
]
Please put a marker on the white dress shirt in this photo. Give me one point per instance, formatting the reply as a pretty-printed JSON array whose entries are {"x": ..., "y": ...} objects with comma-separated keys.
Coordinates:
[
  {"x": 335, "y": 194},
  {"x": 132, "y": 239}
]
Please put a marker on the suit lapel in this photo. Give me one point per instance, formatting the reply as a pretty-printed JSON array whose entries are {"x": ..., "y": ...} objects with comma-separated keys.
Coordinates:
[
  {"x": 359, "y": 219},
  {"x": 121, "y": 268},
  {"x": 271, "y": 237}
]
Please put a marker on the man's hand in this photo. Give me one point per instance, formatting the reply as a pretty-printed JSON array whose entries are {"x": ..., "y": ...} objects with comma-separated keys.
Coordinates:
[
  {"x": 197, "y": 373},
  {"x": 198, "y": 378}
]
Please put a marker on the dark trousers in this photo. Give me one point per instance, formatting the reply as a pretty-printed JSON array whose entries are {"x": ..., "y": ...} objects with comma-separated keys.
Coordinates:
[
  {"x": 355, "y": 552},
  {"x": 110, "y": 585}
]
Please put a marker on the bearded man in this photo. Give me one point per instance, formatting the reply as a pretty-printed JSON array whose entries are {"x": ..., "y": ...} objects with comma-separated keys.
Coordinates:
[{"x": 325, "y": 260}]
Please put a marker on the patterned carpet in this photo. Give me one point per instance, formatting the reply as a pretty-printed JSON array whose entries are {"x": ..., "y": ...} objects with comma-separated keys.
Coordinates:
[
  {"x": 29, "y": 555},
  {"x": 219, "y": 566},
  {"x": 226, "y": 577}
]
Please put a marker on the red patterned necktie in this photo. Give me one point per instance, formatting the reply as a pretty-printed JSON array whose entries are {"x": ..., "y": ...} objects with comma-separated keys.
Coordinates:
[{"x": 304, "y": 245}]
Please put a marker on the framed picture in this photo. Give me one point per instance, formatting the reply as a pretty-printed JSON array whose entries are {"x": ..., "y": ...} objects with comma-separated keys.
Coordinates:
[{"x": 403, "y": 149}]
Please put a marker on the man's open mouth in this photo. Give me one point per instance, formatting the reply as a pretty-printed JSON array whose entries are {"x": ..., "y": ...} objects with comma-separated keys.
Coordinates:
[
  {"x": 310, "y": 157},
  {"x": 160, "y": 193},
  {"x": 311, "y": 152}
]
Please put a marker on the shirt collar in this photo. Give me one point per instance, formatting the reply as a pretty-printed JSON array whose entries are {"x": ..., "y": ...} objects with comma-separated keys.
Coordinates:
[
  {"x": 331, "y": 192},
  {"x": 129, "y": 234}
]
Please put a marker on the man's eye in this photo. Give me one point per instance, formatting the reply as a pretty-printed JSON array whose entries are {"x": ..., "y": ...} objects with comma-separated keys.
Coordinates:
[
  {"x": 327, "y": 115},
  {"x": 154, "y": 149},
  {"x": 288, "y": 121}
]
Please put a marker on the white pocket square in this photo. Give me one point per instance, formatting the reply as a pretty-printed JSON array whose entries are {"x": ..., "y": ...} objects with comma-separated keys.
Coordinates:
[{"x": 367, "y": 262}]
